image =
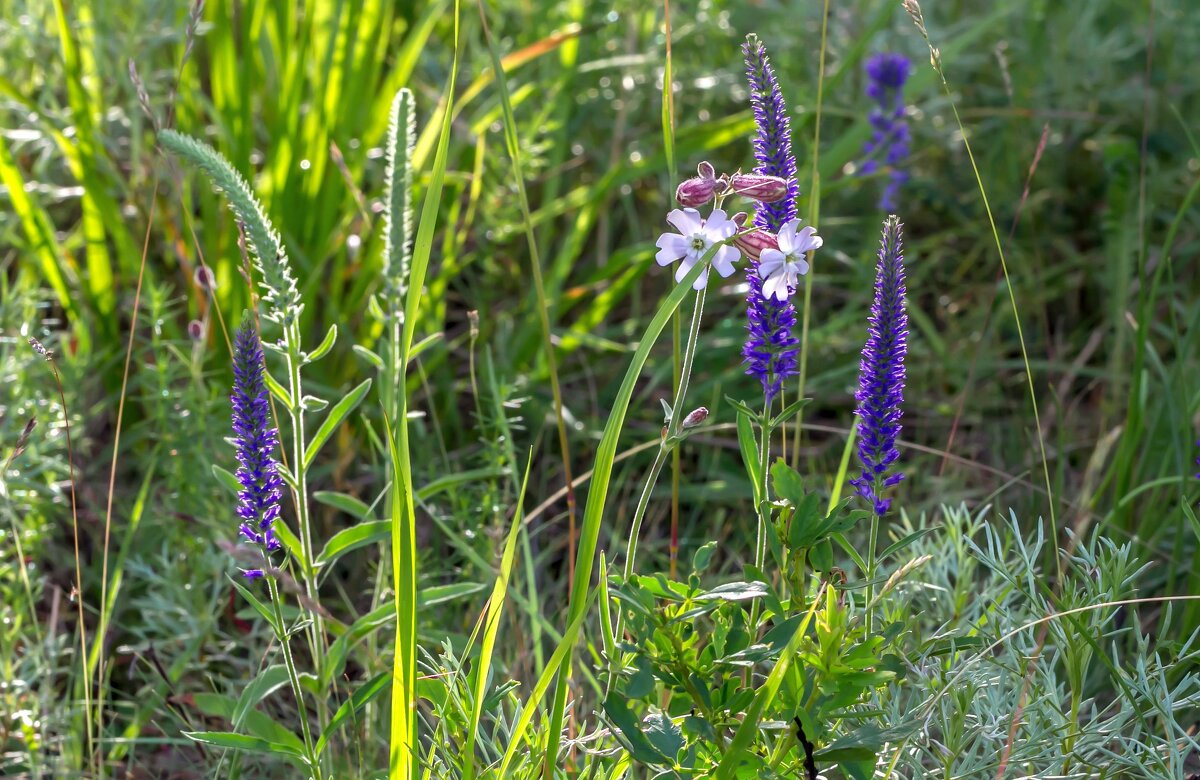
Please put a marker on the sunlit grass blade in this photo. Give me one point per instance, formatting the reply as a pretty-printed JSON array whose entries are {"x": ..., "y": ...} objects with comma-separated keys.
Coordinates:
[
  {"x": 593, "y": 513},
  {"x": 403, "y": 743},
  {"x": 492, "y": 627}
]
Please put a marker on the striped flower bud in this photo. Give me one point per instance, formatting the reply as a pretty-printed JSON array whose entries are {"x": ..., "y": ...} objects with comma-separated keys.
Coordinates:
[
  {"x": 699, "y": 190},
  {"x": 694, "y": 418},
  {"x": 753, "y": 243},
  {"x": 759, "y": 187}
]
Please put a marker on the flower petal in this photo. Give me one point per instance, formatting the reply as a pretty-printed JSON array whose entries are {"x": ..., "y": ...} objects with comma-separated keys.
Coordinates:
[
  {"x": 719, "y": 226},
  {"x": 683, "y": 269},
  {"x": 686, "y": 221},
  {"x": 787, "y": 236},
  {"x": 671, "y": 247},
  {"x": 801, "y": 266},
  {"x": 808, "y": 240},
  {"x": 701, "y": 281},
  {"x": 769, "y": 261},
  {"x": 776, "y": 287},
  {"x": 725, "y": 258}
]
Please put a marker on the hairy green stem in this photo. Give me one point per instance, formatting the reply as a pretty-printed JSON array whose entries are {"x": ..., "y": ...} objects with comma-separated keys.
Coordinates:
[
  {"x": 294, "y": 360},
  {"x": 294, "y": 678}
]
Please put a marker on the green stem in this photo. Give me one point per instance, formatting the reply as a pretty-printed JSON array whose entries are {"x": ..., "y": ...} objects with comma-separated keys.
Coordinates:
[
  {"x": 763, "y": 512},
  {"x": 764, "y": 465},
  {"x": 669, "y": 444},
  {"x": 293, "y": 677},
  {"x": 871, "y": 569},
  {"x": 643, "y": 501},
  {"x": 316, "y": 633}
]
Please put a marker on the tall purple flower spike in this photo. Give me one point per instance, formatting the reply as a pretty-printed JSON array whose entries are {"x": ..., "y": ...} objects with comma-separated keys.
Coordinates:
[
  {"x": 886, "y": 74},
  {"x": 881, "y": 374},
  {"x": 770, "y": 349},
  {"x": 258, "y": 500}
]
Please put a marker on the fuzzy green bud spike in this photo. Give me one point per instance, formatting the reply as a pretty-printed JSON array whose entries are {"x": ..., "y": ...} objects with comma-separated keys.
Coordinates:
[
  {"x": 397, "y": 252},
  {"x": 281, "y": 296}
]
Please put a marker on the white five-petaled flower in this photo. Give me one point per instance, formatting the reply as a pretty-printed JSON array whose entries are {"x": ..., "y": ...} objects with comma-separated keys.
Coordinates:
[
  {"x": 783, "y": 267},
  {"x": 696, "y": 236}
]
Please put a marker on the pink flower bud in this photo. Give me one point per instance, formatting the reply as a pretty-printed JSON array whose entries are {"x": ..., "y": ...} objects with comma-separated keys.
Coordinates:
[
  {"x": 701, "y": 189},
  {"x": 764, "y": 189},
  {"x": 753, "y": 243},
  {"x": 694, "y": 418},
  {"x": 693, "y": 193}
]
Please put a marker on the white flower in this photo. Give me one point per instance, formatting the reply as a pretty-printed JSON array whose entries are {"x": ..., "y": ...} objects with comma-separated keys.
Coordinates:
[
  {"x": 783, "y": 267},
  {"x": 696, "y": 236}
]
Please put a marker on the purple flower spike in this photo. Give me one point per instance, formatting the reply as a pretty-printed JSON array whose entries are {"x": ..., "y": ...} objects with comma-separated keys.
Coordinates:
[
  {"x": 258, "y": 500},
  {"x": 886, "y": 74},
  {"x": 770, "y": 350},
  {"x": 881, "y": 374}
]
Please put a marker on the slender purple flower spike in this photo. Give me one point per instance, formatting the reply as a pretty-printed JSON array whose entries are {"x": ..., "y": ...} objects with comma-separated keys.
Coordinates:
[
  {"x": 886, "y": 74},
  {"x": 770, "y": 349},
  {"x": 258, "y": 500},
  {"x": 881, "y": 374}
]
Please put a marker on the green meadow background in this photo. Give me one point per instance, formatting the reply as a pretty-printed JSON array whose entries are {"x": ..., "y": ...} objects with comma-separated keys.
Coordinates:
[{"x": 1084, "y": 117}]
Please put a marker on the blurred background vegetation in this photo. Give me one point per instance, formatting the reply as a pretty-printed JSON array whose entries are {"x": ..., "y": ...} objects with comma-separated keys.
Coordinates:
[{"x": 1083, "y": 117}]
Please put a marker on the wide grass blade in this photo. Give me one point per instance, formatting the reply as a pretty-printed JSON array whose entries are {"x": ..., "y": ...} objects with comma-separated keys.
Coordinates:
[
  {"x": 403, "y": 745},
  {"x": 593, "y": 513}
]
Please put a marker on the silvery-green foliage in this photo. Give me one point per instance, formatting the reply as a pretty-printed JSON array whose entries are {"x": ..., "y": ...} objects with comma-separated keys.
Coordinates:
[
  {"x": 398, "y": 217},
  {"x": 279, "y": 284},
  {"x": 987, "y": 585}
]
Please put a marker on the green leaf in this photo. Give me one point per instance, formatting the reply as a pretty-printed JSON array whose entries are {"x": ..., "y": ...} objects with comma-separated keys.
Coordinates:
[
  {"x": 789, "y": 411},
  {"x": 640, "y": 746},
  {"x": 440, "y": 594},
  {"x": 896, "y": 547},
  {"x": 368, "y": 356},
  {"x": 323, "y": 348},
  {"x": 735, "y": 591},
  {"x": 346, "y": 503},
  {"x": 703, "y": 557},
  {"x": 227, "y": 739},
  {"x": 352, "y": 538},
  {"x": 821, "y": 555},
  {"x": 359, "y": 699},
  {"x": 267, "y": 682},
  {"x": 259, "y": 607},
  {"x": 227, "y": 479},
  {"x": 663, "y": 734},
  {"x": 749, "y": 447},
  {"x": 335, "y": 418},
  {"x": 788, "y": 484},
  {"x": 256, "y": 724}
]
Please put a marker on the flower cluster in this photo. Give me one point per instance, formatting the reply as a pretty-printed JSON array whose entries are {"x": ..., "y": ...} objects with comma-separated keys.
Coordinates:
[
  {"x": 258, "y": 499},
  {"x": 776, "y": 245},
  {"x": 886, "y": 74},
  {"x": 770, "y": 349},
  {"x": 881, "y": 373}
]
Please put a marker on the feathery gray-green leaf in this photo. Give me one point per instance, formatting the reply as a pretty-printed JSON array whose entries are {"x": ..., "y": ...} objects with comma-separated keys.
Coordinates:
[{"x": 282, "y": 297}]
